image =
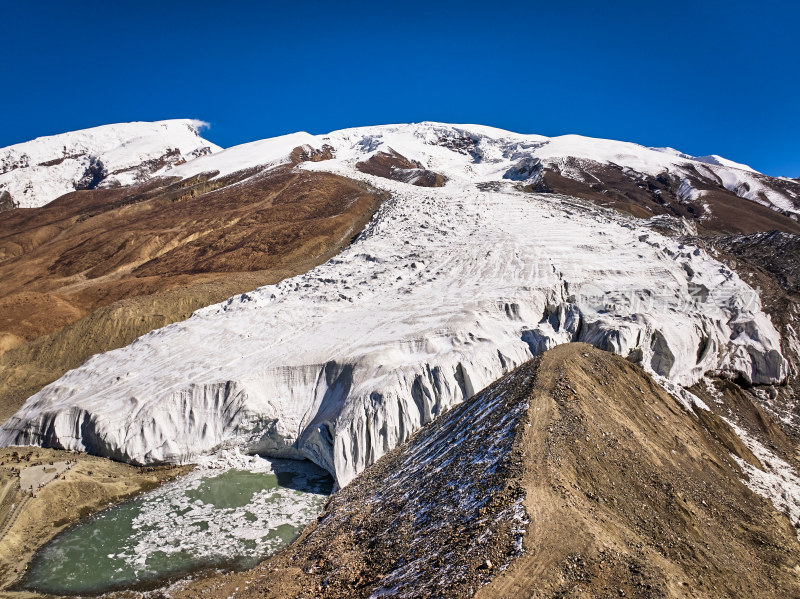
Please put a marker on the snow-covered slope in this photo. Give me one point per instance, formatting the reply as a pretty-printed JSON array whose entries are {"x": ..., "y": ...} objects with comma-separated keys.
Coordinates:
[
  {"x": 445, "y": 291},
  {"x": 37, "y": 172},
  {"x": 263, "y": 153},
  {"x": 720, "y": 161}
]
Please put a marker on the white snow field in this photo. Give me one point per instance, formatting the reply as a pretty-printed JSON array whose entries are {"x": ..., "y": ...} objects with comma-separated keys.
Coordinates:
[
  {"x": 445, "y": 291},
  {"x": 39, "y": 171}
]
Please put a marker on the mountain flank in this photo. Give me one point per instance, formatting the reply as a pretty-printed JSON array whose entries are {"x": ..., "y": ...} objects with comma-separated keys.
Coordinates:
[
  {"x": 36, "y": 172},
  {"x": 629, "y": 494},
  {"x": 696, "y": 195},
  {"x": 626, "y": 493}
]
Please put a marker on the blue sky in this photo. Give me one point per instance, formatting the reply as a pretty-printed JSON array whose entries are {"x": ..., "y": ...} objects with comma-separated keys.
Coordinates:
[{"x": 703, "y": 77}]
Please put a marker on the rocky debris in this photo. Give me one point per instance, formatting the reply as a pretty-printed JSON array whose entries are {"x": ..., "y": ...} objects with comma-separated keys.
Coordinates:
[
  {"x": 768, "y": 262},
  {"x": 776, "y": 252},
  {"x": 391, "y": 165},
  {"x": 631, "y": 495},
  {"x": 198, "y": 152},
  {"x": 673, "y": 226},
  {"x": 462, "y": 143},
  {"x": 11, "y": 162}
]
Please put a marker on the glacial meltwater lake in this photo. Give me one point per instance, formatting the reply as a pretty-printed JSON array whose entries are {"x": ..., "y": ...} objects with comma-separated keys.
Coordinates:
[{"x": 230, "y": 517}]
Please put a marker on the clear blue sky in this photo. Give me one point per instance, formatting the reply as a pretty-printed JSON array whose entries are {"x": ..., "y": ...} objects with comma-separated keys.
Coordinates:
[{"x": 704, "y": 77}]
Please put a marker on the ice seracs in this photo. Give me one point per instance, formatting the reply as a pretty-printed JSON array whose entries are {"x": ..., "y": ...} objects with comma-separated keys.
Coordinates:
[
  {"x": 445, "y": 291},
  {"x": 39, "y": 171}
]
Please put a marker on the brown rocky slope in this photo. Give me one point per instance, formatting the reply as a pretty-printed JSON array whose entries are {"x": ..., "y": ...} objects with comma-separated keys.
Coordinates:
[{"x": 626, "y": 492}]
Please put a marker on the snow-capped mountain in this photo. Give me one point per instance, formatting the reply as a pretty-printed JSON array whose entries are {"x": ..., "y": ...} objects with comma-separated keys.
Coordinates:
[
  {"x": 447, "y": 289},
  {"x": 485, "y": 154},
  {"x": 38, "y": 171}
]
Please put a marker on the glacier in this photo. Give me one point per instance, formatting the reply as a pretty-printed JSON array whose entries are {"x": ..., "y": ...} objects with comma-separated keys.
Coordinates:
[{"x": 446, "y": 290}]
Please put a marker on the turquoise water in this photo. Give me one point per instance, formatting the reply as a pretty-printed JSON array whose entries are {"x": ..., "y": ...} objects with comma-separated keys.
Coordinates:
[{"x": 233, "y": 518}]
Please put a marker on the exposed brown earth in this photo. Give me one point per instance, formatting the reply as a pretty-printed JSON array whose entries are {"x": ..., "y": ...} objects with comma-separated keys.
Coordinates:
[
  {"x": 93, "y": 270},
  {"x": 627, "y": 493},
  {"x": 88, "y": 486},
  {"x": 86, "y": 250},
  {"x": 718, "y": 210},
  {"x": 391, "y": 165}
]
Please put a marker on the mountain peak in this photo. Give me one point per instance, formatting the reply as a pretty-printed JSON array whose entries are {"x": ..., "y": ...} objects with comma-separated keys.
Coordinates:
[{"x": 36, "y": 172}]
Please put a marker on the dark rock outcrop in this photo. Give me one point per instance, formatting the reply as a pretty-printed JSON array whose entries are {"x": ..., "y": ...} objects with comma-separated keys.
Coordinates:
[
  {"x": 309, "y": 154},
  {"x": 6, "y": 202},
  {"x": 93, "y": 176},
  {"x": 391, "y": 165}
]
